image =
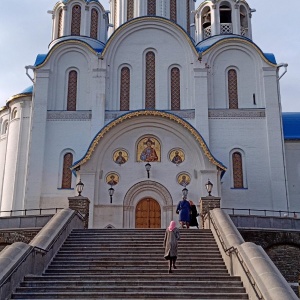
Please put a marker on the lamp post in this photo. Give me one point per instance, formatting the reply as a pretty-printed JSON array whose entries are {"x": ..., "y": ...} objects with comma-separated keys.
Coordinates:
[
  {"x": 148, "y": 167},
  {"x": 79, "y": 187},
  {"x": 111, "y": 193},
  {"x": 185, "y": 192},
  {"x": 209, "y": 187}
]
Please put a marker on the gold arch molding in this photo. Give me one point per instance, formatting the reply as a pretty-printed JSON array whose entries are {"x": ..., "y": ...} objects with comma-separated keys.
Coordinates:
[{"x": 153, "y": 113}]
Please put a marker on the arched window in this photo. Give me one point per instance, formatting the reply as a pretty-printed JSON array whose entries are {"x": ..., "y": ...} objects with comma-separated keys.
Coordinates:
[
  {"x": 237, "y": 170},
  {"x": 72, "y": 91},
  {"x": 94, "y": 24},
  {"x": 130, "y": 9},
  {"x": 175, "y": 89},
  {"x": 173, "y": 10},
  {"x": 66, "y": 181},
  {"x": 14, "y": 114},
  {"x": 233, "y": 89},
  {"x": 125, "y": 89},
  {"x": 151, "y": 8},
  {"x": 60, "y": 23},
  {"x": 188, "y": 16},
  {"x": 5, "y": 128},
  {"x": 76, "y": 20},
  {"x": 150, "y": 80}
]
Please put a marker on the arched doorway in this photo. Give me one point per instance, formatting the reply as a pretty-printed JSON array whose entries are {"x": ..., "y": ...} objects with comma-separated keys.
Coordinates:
[{"x": 148, "y": 214}]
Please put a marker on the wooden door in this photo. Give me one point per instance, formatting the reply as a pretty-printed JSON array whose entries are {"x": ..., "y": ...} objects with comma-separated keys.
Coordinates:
[{"x": 147, "y": 214}]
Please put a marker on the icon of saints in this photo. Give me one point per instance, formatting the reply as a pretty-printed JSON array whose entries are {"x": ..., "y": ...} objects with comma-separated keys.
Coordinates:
[
  {"x": 184, "y": 180},
  {"x": 120, "y": 159},
  {"x": 177, "y": 158},
  {"x": 112, "y": 180},
  {"x": 149, "y": 153}
]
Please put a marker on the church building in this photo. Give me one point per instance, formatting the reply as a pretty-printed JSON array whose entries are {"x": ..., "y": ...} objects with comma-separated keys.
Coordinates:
[{"x": 146, "y": 102}]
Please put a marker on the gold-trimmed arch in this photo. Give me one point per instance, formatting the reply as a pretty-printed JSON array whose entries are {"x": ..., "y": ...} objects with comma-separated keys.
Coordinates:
[
  {"x": 59, "y": 44},
  {"x": 226, "y": 40},
  {"x": 123, "y": 27},
  {"x": 154, "y": 113}
]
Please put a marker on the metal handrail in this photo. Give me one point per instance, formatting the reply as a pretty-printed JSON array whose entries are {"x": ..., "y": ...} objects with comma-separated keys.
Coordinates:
[
  {"x": 250, "y": 211},
  {"x": 23, "y": 212},
  {"x": 228, "y": 252}
]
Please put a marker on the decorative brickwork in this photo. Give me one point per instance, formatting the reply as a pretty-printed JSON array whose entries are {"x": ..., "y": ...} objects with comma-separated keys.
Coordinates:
[
  {"x": 72, "y": 91},
  {"x": 82, "y": 205},
  {"x": 175, "y": 89},
  {"x": 237, "y": 169},
  {"x": 69, "y": 115},
  {"x": 237, "y": 113},
  {"x": 66, "y": 172},
  {"x": 151, "y": 8},
  {"x": 173, "y": 10},
  {"x": 76, "y": 20},
  {"x": 150, "y": 81},
  {"x": 94, "y": 24},
  {"x": 232, "y": 89},
  {"x": 130, "y": 9},
  {"x": 60, "y": 23},
  {"x": 188, "y": 16},
  {"x": 125, "y": 89}
]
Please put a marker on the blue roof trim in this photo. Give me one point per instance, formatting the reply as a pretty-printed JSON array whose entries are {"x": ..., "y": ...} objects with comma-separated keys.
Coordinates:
[
  {"x": 291, "y": 125},
  {"x": 42, "y": 57},
  {"x": 208, "y": 43},
  {"x": 132, "y": 111},
  {"x": 28, "y": 90}
]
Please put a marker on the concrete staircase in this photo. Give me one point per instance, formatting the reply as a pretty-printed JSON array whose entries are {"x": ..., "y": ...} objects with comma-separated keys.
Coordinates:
[{"x": 129, "y": 264}]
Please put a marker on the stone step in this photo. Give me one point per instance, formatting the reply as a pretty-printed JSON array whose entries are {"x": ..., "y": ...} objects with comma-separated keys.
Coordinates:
[
  {"x": 136, "y": 242},
  {"x": 128, "y": 289},
  {"x": 108, "y": 271},
  {"x": 129, "y": 295},
  {"x": 139, "y": 247},
  {"x": 134, "y": 278},
  {"x": 145, "y": 282},
  {"x": 137, "y": 256},
  {"x": 133, "y": 260},
  {"x": 129, "y": 264},
  {"x": 134, "y": 264}
]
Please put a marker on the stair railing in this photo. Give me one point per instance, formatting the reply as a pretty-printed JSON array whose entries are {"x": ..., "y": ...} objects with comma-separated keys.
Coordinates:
[
  {"x": 229, "y": 251},
  {"x": 20, "y": 259}
]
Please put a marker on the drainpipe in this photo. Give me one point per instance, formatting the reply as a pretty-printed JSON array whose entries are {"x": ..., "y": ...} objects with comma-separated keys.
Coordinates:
[
  {"x": 284, "y": 65},
  {"x": 31, "y": 68}
]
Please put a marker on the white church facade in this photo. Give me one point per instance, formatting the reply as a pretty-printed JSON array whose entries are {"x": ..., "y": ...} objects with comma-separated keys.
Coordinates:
[{"x": 156, "y": 84}]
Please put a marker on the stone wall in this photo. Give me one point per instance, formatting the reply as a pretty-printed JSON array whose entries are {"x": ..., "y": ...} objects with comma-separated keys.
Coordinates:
[{"x": 282, "y": 246}]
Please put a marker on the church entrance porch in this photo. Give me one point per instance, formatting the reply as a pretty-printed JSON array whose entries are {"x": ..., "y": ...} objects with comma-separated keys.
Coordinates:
[{"x": 148, "y": 214}]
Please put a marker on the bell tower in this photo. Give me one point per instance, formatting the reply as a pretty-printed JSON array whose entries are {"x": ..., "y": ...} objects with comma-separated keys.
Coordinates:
[{"x": 219, "y": 17}]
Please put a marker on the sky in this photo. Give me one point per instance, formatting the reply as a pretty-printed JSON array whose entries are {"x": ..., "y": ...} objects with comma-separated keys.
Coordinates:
[{"x": 25, "y": 32}]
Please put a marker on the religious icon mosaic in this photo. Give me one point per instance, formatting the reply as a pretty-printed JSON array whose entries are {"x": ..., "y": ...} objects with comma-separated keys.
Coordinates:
[
  {"x": 176, "y": 156},
  {"x": 184, "y": 179},
  {"x": 148, "y": 150},
  {"x": 112, "y": 178},
  {"x": 120, "y": 156}
]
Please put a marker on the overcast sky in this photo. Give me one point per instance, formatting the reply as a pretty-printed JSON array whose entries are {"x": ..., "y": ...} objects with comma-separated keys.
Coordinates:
[{"x": 25, "y": 31}]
